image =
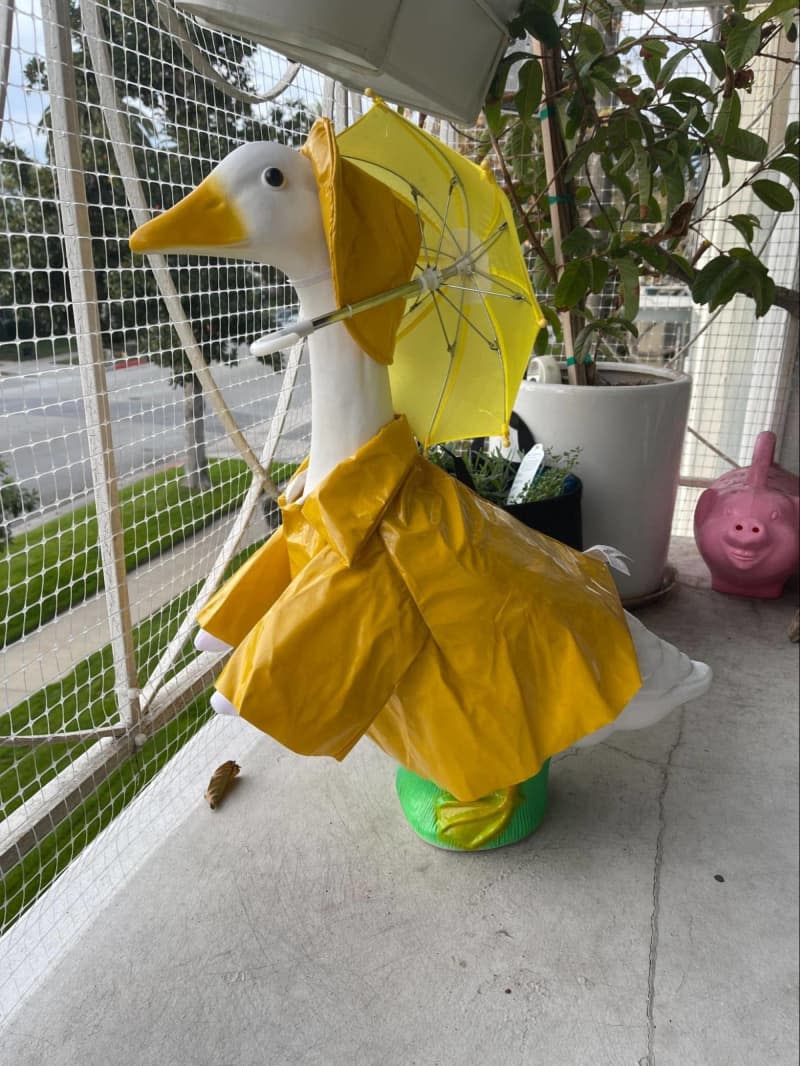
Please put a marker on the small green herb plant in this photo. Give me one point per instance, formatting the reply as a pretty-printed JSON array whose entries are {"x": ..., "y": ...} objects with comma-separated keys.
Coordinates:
[{"x": 492, "y": 473}]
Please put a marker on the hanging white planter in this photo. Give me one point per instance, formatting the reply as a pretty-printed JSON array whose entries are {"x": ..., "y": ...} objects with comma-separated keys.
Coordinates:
[
  {"x": 436, "y": 57},
  {"x": 630, "y": 433}
]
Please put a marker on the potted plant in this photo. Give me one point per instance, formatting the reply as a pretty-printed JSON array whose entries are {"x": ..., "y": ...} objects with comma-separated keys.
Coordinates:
[
  {"x": 538, "y": 488},
  {"x": 622, "y": 155}
]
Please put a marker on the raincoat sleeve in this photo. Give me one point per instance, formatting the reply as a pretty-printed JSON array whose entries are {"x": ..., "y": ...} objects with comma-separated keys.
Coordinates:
[
  {"x": 237, "y": 606},
  {"x": 319, "y": 667}
]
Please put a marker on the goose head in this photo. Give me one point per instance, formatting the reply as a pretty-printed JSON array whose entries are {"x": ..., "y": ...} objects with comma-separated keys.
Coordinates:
[{"x": 261, "y": 203}]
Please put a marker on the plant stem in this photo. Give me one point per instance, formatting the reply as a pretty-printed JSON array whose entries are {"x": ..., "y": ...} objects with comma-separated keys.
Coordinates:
[{"x": 526, "y": 222}]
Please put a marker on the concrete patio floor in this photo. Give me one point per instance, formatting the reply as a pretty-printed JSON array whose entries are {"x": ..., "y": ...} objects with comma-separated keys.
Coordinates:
[{"x": 652, "y": 920}]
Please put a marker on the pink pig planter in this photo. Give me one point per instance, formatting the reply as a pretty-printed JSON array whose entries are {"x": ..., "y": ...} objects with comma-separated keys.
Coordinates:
[{"x": 746, "y": 526}]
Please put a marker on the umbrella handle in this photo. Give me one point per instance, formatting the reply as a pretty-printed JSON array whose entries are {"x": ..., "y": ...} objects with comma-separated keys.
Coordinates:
[{"x": 282, "y": 338}]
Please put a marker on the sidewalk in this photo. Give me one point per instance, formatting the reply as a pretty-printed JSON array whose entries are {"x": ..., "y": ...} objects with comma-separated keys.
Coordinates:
[
  {"x": 652, "y": 920},
  {"x": 47, "y": 654}
]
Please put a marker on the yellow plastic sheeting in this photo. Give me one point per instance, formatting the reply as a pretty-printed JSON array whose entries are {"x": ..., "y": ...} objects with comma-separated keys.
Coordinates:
[
  {"x": 373, "y": 239},
  {"x": 461, "y": 352},
  {"x": 469, "y": 647}
]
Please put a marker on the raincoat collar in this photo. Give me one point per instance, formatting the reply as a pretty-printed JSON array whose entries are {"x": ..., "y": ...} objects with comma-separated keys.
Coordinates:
[{"x": 348, "y": 505}]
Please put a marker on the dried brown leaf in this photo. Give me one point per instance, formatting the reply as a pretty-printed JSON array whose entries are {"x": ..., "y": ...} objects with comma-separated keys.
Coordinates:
[{"x": 220, "y": 782}]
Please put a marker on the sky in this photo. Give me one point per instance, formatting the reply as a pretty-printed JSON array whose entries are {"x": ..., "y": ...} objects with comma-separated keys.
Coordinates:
[{"x": 24, "y": 108}]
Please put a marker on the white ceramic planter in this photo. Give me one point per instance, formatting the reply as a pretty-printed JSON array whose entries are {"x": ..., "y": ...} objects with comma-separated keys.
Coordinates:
[{"x": 631, "y": 436}]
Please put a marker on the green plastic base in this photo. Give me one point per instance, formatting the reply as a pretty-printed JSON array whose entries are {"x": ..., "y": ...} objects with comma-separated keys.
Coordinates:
[{"x": 419, "y": 797}]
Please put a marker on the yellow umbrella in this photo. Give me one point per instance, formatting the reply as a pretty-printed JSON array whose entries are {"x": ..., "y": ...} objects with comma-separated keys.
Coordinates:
[{"x": 470, "y": 317}]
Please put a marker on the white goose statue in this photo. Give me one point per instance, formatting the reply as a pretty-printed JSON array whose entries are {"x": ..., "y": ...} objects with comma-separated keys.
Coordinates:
[{"x": 392, "y": 601}]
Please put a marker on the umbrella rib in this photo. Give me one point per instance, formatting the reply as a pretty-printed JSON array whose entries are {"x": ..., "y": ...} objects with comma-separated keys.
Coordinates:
[
  {"x": 446, "y": 378},
  {"x": 486, "y": 292},
  {"x": 510, "y": 290},
  {"x": 421, "y": 222},
  {"x": 416, "y": 195},
  {"x": 449, "y": 344},
  {"x": 492, "y": 344},
  {"x": 444, "y": 227}
]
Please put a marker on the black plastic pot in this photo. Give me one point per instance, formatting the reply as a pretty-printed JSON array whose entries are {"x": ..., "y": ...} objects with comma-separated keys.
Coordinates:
[{"x": 558, "y": 517}]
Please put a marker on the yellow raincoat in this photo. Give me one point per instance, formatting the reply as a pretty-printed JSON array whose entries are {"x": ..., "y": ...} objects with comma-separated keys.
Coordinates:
[{"x": 395, "y": 602}]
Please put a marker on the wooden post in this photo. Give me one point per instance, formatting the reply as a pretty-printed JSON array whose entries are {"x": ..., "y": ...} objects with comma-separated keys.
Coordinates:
[
  {"x": 74, "y": 211},
  {"x": 562, "y": 207}
]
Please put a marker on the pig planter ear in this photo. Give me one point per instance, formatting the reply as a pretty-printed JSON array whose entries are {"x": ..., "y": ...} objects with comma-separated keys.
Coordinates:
[{"x": 746, "y": 526}]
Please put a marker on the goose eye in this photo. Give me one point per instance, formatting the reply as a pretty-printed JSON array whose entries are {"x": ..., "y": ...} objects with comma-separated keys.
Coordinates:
[{"x": 273, "y": 177}]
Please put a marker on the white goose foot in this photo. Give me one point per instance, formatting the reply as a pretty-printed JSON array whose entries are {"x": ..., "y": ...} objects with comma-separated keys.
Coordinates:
[
  {"x": 205, "y": 642},
  {"x": 223, "y": 706}
]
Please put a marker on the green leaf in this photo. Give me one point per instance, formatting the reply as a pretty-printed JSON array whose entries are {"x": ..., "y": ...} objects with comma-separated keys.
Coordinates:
[
  {"x": 573, "y": 284},
  {"x": 577, "y": 243},
  {"x": 669, "y": 118},
  {"x": 600, "y": 270},
  {"x": 728, "y": 117},
  {"x": 553, "y": 320},
  {"x": 518, "y": 152},
  {"x": 724, "y": 165},
  {"x": 654, "y": 46},
  {"x": 543, "y": 27},
  {"x": 773, "y": 194},
  {"x": 622, "y": 181},
  {"x": 653, "y": 255},
  {"x": 681, "y": 267},
  {"x": 588, "y": 40},
  {"x": 740, "y": 272},
  {"x": 643, "y": 174},
  {"x": 690, "y": 87},
  {"x": 763, "y": 292},
  {"x": 742, "y": 44},
  {"x": 674, "y": 185},
  {"x": 715, "y": 57},
  {"x": 746, "y": 225},
  {"x": 742, "y": 144},
  {"x": 710, "y": 278},
  {"x": 581, "y": 155},
  {"x": 629, "y": 283},
  {"x": 652, "y": 68},
  {"x": 607, "y": 219},
  {"x": 529, "y": 95},
  {"x": 777, "y": 7},
  {"x": 792, "y": 136},
  {"x": 788, "y": 165},
  {"x": 670, "y": 66},
  {"x": 542, "y": 342}
]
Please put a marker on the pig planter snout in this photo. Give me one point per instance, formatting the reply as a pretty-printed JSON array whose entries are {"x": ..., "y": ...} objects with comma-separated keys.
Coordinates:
[{"x": 746, "y": 526}]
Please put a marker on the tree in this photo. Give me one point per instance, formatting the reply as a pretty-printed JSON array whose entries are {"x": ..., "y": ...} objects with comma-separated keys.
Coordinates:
[
  {"x": 635, "y": 134},
  {"x": 14, "y": 501},
  {"x": 33, "y": 281},
  {"x": 179, "y": 122}
]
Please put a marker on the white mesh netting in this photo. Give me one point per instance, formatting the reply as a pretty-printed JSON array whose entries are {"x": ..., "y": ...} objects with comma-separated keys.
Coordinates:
[{"x": 123, "y": 489}]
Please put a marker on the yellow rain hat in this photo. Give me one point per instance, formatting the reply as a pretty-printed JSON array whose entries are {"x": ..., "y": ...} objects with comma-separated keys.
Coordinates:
[{"x": 373, "y": 239}]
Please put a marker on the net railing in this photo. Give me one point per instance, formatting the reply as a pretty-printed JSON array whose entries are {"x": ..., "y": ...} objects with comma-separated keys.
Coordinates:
[
  {"x": 137, "y": 433},
  {"x": 141, "y": 444}
]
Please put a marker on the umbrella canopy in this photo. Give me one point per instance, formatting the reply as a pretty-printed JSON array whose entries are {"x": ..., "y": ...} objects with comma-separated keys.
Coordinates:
[{"x": 465, "y": 339}]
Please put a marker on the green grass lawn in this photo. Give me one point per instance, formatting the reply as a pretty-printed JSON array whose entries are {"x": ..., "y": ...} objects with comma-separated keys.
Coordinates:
[
  {"x": 83, "y": 699},
  {"x": 58, "y": 565}
]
